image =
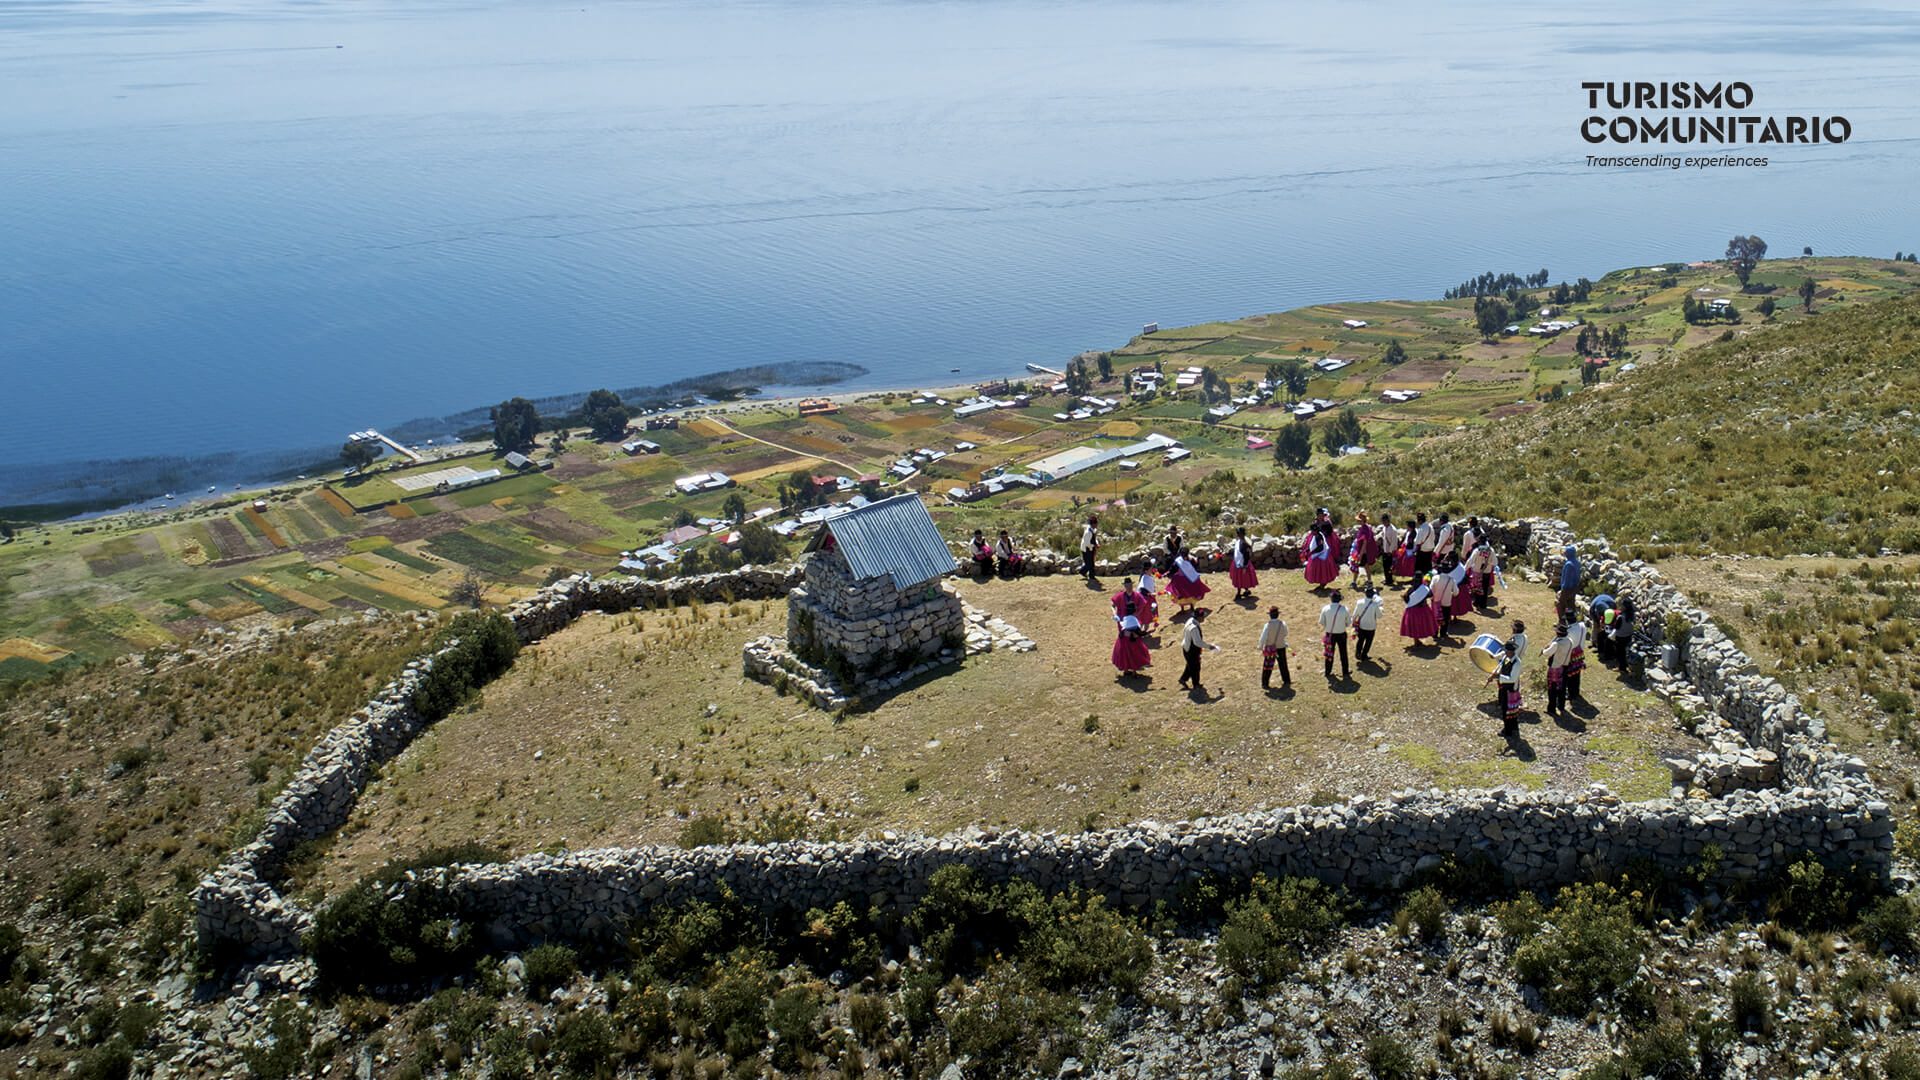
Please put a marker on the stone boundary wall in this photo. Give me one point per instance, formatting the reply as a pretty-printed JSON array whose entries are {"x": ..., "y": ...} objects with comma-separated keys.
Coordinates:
[{"x": 1824, "y": 803}]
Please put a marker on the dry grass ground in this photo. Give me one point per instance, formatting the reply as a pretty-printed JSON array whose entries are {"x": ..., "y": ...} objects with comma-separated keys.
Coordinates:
[{"x": 620, "y": 729}]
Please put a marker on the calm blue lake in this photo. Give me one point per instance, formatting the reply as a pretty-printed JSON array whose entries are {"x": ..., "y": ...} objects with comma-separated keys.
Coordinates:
[{"x": 262, "y": 225}]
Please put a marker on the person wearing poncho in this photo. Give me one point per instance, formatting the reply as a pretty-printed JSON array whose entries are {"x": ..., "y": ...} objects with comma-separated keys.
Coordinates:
[{"x": 1273, "y": 651}]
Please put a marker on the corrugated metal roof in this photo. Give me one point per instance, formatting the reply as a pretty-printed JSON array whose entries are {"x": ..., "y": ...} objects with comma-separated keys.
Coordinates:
[{"x": 893, "y": 536}]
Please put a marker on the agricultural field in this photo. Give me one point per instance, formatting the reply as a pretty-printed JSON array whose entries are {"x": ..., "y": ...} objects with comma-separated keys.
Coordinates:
[{"x": 390, "y": 540}]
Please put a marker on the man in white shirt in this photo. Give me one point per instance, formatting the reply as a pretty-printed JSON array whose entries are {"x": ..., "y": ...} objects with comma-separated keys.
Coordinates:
[
  {"x": 1273, "y": 650},
  {"x": 1192, "y": 644},
  {"x": 1334, "y": 621},
  {"x": 1389, "y": 538},
  {"x": 1089, "y": 541},
  {"x": 1366, "y": 617}
]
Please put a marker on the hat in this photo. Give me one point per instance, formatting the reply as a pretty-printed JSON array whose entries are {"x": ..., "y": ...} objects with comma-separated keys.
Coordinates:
[
  {"x": 1273, "y": 612},
  {"x": 1371, "y": 591}
]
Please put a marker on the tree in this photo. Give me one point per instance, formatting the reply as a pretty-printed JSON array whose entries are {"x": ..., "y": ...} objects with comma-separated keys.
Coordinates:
[
  {"x": 735, "y": 508},
  {"x": 759, "y": 544},
  {"x": 1294, "y": 375},
  {"x": 606, "y": 414},
  {"x": 1581, "y": 290},
  {"x": 515, "y": 423},
  {"x": 1212, "y": 386},
  {"x": 1079, "y": 379},
  {"x": 1806, "y": 251},
  {"x": 1766, "y": 306},
  {"x": 1342, "y": 432},
  {"x": 1396, "y": 353},
  {"x": 1293, "y": 445},
  {"x": 1807, "y": 289},
  {"x": 1105, "y": 363},
  {"x": 1491, "y": 316},
  {"x": 1743, "y": 254},
  {"x": 470, "y": 589},
  {"x": 360, "y": 453}
]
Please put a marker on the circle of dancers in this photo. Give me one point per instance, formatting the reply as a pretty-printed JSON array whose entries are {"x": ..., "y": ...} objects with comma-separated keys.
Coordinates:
[{"x": 1442, "y": 571}]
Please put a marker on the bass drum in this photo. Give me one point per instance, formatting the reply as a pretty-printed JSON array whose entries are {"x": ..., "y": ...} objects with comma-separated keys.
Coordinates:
[{"x": 1486, "y": 652}]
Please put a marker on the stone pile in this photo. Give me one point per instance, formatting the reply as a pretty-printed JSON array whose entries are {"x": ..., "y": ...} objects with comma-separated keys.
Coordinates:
[{"x": 1538, "y": 839}]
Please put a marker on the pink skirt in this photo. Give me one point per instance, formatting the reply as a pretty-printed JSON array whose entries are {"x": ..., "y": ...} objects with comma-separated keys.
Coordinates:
[
  {"x": 1130, "y": 653},
  {"x": 1322, "y": 569},
  {"x": 1403, "y": 563},
  {"x": 1462, "y": 603},
  {"x": 1243, "y": 577},
  {"x": 1419, "y": 621},
  {"x": 1473, "y": 581},
  {"x": 1182, "y": 589}
]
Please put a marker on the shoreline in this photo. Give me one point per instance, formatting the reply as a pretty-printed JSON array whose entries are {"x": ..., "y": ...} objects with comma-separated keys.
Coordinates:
[{"x": 200, "y": 501}]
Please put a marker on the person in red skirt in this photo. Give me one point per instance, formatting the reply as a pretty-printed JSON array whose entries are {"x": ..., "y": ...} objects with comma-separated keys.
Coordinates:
[
  {"x": 1406, "y": 561},
  {"x": 1418, "y": 620},
  {"x": 1317, "y": 552},
  {"x": 1149, "y": 596},
  {"x": 1130, "y": 654},
  {"x": 1184, "y": 584},
  {"x": 1366, "y": 548},
  {"x": 1462, "y": 596},
  {"x": 1242, "y": 575}
]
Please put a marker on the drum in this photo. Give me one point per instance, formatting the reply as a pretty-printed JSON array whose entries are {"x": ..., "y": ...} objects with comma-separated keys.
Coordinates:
[{"x": 1486, "y": 652}]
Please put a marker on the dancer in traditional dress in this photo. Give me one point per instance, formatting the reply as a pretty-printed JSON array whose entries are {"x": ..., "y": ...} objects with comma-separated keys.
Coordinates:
[
  {"x": 1576, "y": 656},
  {"x": 1335, "y": 620},
  {"x": 1273, "y": 650},
  {"x": 1175, "y": 542},
  {"x": 1317, "y": 552},
  {"x": 1125, "y": 602},
  {"x": 1508, "y": 675},
  {"x": 1557, "y": 652},
  {"x": 1242, "y": 575},
  {"x": 1444, "y": 537},
  {"x": 1366, "y": 548},
  {"x": 1129, "y": 652},
  {"x": 1418, "y": 620},
  {"x": 1011, "y": 561},
  {"x": 1185, "y": 585},
  {"x": 1366, "y": 618},
  {"x": 1150, "y": 595},
  {"x": 1394, "y": 556},
  {"x": 982, "y": 554},
  {"x": 1481, "y": 567},
  {"x": 1422, "y": 544},
  {"x": 1462, "y": 596},
  {"x": 1192, "y": 644},
  {"x": 1444, "y": 588}
]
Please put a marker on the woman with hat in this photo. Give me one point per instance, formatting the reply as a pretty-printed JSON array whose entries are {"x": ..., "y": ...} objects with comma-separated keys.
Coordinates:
[
  {"x": 1185, "y": 585},
  {"x": 1366, "y": 548},
  {"x": 1418, "y": 620},
  {"x": 1130, "y": 655},
  {"x": 1242, "y": 575},
  {"x": 1318, "y": 553}
]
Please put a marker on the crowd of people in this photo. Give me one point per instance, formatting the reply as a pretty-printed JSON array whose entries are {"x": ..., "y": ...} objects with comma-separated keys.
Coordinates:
[{"x": 1443, "y": 571}]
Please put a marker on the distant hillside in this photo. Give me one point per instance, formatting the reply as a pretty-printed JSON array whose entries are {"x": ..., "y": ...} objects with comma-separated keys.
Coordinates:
[{"x": 1790, "y": 438}]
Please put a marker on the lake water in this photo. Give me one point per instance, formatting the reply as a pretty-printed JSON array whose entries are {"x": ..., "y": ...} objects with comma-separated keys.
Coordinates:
[{"x": 260, "y": 226}]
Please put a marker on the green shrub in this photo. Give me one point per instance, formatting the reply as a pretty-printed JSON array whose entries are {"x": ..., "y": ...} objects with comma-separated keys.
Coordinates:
[
  {"x": 705, "y": 832},
  {"x": 869, "y": 1017},
  {"x": 283, "y": 1054},
  {"x": 1810, "y": 895},
  {"x": 1590, "y": 950},
  {"x": 1070, "y": 940},
  {"x": 1426, "y": 912},
  {"x": 75, "y": 893},
  {"x": 1520, "y": 918},
  {"x": 1009, "y": 1026},
  {"x": 792, "y": 1015},
  {"x": 1891, "y": 925},
  {"x": 1749, "y": 1004},
  {"x": 1389, "y": 1058},
  {"x": 549, "y": 967},
  {"x": 1901, "y": 1063},
  {"x": 367, "y": 939},
  {"x": 1267, "y": 931},
  {"x": 487, "y": 645},
  {"x": 584, "y": 1042},
  {"x": 12, "y": 944}
]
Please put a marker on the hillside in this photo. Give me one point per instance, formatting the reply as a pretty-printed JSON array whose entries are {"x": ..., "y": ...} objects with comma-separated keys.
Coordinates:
[{"x": 130, "y": 762}]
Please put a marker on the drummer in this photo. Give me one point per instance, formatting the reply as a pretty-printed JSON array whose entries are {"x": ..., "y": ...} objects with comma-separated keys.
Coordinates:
[{"x": 1508, "y": 674}]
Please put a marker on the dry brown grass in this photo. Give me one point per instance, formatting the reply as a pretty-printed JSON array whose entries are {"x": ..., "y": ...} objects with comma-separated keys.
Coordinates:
[{"x": 640, "y": 721}]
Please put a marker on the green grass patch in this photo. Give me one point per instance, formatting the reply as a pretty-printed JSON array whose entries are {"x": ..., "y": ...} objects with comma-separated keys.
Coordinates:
[
  {"x": 362, "y": 544},
  {"x": 465, "y": 549}
]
